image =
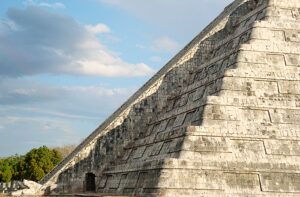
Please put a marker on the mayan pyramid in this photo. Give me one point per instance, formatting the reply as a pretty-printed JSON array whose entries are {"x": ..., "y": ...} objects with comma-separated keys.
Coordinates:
[{"x": 222, "y": 118}]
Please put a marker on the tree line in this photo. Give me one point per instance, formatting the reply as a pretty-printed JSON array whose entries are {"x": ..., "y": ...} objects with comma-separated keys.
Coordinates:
[{"x": 34, "y": 165}]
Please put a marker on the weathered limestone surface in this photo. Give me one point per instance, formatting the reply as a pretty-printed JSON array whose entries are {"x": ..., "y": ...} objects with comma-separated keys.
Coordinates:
[
  {"x": 222, "y": 118},
  {"x": 20, "y": 188}
]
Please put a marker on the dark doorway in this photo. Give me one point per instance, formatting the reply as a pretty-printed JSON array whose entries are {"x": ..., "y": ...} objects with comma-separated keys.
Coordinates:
[{"x": 90, "y": 184}]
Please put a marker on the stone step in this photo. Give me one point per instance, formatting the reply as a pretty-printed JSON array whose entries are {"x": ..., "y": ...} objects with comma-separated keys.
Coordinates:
[
  {"x": 210, "y": 176},
  {"x": 293, "y": 4},
  {"x": 222, "y": 128},
  {"x": 250, "y": 130},
  {"x": 253, "y": 102},
  {"x": 209, "y": 164},
  {"x": 273, "y": 25},
  {"x": 289, "y": 72},
  {"x": 261, "y": 46},
  {"x": 260, "y": 87},
  {"x": 279, "y": 59},
  {"x": 276, "y": 33}
]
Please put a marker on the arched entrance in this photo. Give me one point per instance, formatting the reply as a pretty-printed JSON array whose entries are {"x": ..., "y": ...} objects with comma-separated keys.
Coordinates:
[{"x": 90, "y": 184}]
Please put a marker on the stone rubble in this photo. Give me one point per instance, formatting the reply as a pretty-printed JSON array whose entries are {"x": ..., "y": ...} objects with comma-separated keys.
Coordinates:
[{"x": 20, "y": 188}]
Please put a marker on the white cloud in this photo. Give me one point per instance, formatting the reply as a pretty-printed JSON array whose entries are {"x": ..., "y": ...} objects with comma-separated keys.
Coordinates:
[
  {"x": 52, "y": 5},
  {"x": 45, "y": 42},
  {"x": 22, "y": 91},
  {"x": 55, "y": 5},
  {"x": 110, "y": 70},
  {"x": 98, "y": 28},
  {"x": 165, "y": 44},
  {"x": 52, "y": 115}
]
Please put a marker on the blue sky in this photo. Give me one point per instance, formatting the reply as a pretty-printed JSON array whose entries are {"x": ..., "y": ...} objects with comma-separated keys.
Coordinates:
[{"x": 65, "y": 66}]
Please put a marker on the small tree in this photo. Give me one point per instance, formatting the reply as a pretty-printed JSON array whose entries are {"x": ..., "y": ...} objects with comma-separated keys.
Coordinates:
[
  {"x": 5, "y": 172},
  {"x": 34, "y": 165},
  {"x": 38, "y": 162}
]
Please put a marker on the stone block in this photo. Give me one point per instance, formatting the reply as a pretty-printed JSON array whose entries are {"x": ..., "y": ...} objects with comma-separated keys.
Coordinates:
[
  {"x": 122, "y": 183},
  {"x": 148, "y": 151},
  {"x": 292, "y": 35},
  {"x": 151, "y": 179},
  {"x": 250, "y": 87},
  {"x": 251, "y": 57},
  {"x": 199, "y": 93},
  {"x": 286, "y": 116},
  {"x": 289, "y": 87},
  {"x": 103, "y": 180},
  {"x": 166, "y": 147},
  {"x": 267, "y": 34},
  {"x": 276, "y": 60},
  {"x": 282, "y": 147},
  {"x": 206, "y": 144},
  {"x": 163, "y": 125},
  {"x": 179, "y": 120},
  {"x": 292, "y": 60},
  {"x": 255, "y": 115},
  {"x": 218, "y": 112},
  {"x": 138, "y": 152},
  {"x": 131, "y": 180},
  {"x": 155, "y": 150},
  {"x": 277, "y": 35},
  {"x": 113, "y": 181},
  {"x": 239, "y": 182},
  {"x": 207, "y": 180},
  {"x": 170, "y": 178},
  {"x": 189, "y": 117},
  {"x": 176, "y": 145},
  {"x": 190, "y": 179},
  {"x": 248, "y": 150},
  {"x": 171, "y": 122},
  {"x": 280, "y": 182}
]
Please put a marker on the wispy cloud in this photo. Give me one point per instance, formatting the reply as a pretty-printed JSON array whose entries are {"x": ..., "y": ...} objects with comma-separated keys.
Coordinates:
[
  {"x": 55, "y": 5},
  {"x": 24, "y": 91},
  {"x": 45, "y": 42},
  {"x": 52, "y": 115},
  {"x": 98, "y": 28},
  {"x": 47, "y": 113}
]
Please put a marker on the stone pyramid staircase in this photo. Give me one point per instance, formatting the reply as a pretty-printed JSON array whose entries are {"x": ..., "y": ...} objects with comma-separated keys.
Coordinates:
[{"x": 220, "y": 119}]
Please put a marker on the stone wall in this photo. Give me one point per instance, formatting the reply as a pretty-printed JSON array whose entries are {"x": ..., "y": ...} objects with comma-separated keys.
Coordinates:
[
  {"x": 221, "y": 119},
  {"x": 116, "y": 118}
]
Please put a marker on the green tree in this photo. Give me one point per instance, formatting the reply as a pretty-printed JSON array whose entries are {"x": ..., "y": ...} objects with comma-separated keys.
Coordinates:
[
  {"x": 19, "y": 168},
  {"x": 34, "y": 165},
  {"x": 38, "y": 162},
  {"x": 6, "y": 172}
]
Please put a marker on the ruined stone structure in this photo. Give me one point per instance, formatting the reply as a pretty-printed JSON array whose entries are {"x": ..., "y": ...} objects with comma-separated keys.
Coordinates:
[
  {"x": 222, "y": 118},
  {"x": 12, "y": 186}
]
